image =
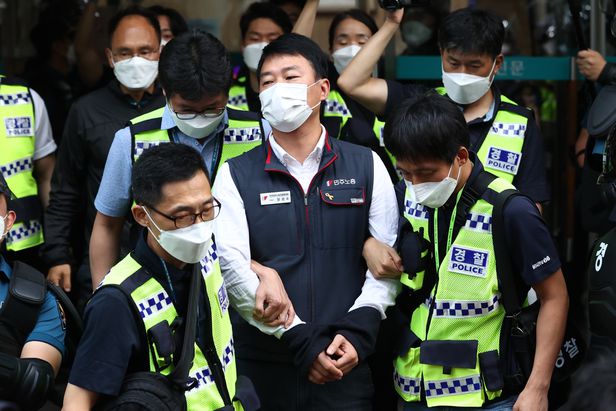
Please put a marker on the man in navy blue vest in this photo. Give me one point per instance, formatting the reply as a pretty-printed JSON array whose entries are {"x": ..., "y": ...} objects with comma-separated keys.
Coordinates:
[{"x": 303, "y": 204}]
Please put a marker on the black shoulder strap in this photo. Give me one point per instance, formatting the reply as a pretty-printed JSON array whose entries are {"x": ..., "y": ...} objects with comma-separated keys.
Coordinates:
[
  {"x": 23, "y": 302},
  {"x": 520, "y": 110},
  {"x": 470, "y": 195},
  {"x": 242, "y": 115},
  {"x": 504, "y": 267},
  {"x": 180, "y": 374}
]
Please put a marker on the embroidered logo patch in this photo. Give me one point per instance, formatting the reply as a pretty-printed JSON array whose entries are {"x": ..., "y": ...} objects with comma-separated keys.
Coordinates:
[
  {"x": 279, "y": 197},
  {"x": 469, "y": 261},
  {"x": 341, "y": 182},
  {"x": 223, "y": 299},
  {"x": 503, "y": 160},
  {"x": 18, "y": 126}
]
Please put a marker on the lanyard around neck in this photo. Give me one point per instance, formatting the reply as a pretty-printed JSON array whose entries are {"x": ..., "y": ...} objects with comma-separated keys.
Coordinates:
[{"x": 437, "y": 260}]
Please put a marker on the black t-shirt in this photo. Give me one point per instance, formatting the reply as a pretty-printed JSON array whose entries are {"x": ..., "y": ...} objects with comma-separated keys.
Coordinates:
[
  {"x": 531, "y": 177},
  {"x": 113, "y": 343},
  {"x": 531, "y": 248}
]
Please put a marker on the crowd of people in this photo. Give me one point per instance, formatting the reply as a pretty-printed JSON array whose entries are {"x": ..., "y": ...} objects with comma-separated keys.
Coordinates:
[{"x": 314, "y": 237}]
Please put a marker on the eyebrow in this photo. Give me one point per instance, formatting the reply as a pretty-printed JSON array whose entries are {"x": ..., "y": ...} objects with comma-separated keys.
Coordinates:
[
  {"x": 283, "y": 70},
  {"x": 179, "y": 208}
]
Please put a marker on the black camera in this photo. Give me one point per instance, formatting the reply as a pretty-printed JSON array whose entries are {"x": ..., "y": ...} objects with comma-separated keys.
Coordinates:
[{"x": 391, "y": 5}]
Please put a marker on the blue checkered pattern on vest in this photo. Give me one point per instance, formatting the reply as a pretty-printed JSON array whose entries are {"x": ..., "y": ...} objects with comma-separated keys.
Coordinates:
[
  {"x": 411, "y": 386},
  {"x": 416, "y": 210},
  {"x": 335, "y": 107},
  {"x": 16, "y": 167},
  {"x": 238, "y": 100},
  {"x": 154, "y": 304},
  {"x": 12, "y": 99},
  {"x": 479, "y": 222},
  {"x": 204, "y": 375},
  {"x": 509, "y": 130},
  {"x": 242, "y": 135},
  {"x": 141, "y": 146},
  {"x": 444, "y": 308},
  {"x": 27, "y": 230},
  {"x": 453, "y": 386},
  {"x": 207, "y": 262}
]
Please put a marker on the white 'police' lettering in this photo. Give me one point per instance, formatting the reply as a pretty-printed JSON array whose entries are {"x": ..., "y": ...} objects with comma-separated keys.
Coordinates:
[
  {"x": 469, "y": 261},
  {"x": 18, "y": 126},
  {"x": 503, "y": 160}
]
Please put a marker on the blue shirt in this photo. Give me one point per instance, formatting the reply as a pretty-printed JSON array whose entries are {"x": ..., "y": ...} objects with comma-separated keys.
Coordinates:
[
  {"x": 49, "y": 326},
  {"x": 114, "y": 194}
]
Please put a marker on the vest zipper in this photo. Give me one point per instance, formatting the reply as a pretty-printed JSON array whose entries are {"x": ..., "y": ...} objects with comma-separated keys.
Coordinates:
[{"x": 307, "y": 218}]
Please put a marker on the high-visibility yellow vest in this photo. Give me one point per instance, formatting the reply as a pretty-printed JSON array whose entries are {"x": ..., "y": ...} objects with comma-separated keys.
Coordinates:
[
  {"x": 242, "y": 134},
  {"x": 458, "y": 327},
  {"x": 237, "y": 95},
  {"x": 155, "y": 306},
  {"x": 501, "y": 150},
  {"x": 17, "y": 142}
]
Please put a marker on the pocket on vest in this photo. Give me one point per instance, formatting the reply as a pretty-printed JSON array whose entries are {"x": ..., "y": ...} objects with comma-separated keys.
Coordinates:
[{"x": 341, "y": 219}]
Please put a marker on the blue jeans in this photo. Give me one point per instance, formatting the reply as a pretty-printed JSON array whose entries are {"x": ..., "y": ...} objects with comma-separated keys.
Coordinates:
[{"x": 503, "y": 405}]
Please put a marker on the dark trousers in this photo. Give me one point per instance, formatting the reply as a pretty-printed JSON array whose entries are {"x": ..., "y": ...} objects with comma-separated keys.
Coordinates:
[{"x": 280, "y": 387}]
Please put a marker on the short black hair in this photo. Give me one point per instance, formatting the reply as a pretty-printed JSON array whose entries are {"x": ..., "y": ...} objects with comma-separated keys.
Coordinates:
[
  {"x": 472, "y": 31},
  {"x": 265, "y": 11},
  {"x": 166, "y": 163},
  {"x": 176, "y": 21},
  {"x": 134, "y": 11},
  {"x": 195, "y": 64},
  {"x": 294, "y": 44},
  {"x": 355, "y": 14},
  {"x": 298, "y": 3},
  {"x": 427, "y": 127}
]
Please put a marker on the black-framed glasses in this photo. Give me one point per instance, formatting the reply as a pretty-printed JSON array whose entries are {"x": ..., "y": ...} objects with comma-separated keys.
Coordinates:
[
  {"x": 209, "y": 213},
  {"x": 209, "y": 113}
]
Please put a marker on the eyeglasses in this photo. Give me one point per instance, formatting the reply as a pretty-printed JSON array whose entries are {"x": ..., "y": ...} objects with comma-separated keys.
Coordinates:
[
  {"x": 128, "y": 54},
  {"x": 210, "y": 113},
  {"x": 211, "y": 212}
]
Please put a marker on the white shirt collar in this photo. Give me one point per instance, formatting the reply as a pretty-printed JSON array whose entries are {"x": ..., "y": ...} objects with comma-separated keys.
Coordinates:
[{"x": 285, "y": 158}]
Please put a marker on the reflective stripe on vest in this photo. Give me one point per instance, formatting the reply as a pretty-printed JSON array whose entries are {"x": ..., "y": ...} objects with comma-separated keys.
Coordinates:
[
  {"x": 379, "y": 127},
  {"x": 335, "y": 106},
  {"x": 155, "y": 306},
  {"x": 465, "y": 308},
  {"x": 501, "y": 150},
  {"x": 17, "y": 143},
  {"x": 238, "y": 97},
  {"x": 240, "y": 136}
]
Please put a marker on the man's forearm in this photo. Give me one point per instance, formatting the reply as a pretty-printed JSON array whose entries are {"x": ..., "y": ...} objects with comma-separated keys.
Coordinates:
[
  {"x": 551, "y": 325},
  {"x": 305, "y": 22},
  {"x": 104, "y": 246},
  {"x": 356, "y": 79}
]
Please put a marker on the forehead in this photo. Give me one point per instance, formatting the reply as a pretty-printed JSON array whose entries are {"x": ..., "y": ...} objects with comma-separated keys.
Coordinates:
[
  {"x": 420, "y": 164},
  {"x": 133, "y": 29},
  {"x": 163, "y": 21},
  {"x": 279, "y": 62},
  {"x": 466, "y": 57},
  {"x": 195, "y": 189},
  {"x": 263, "y": 25},
  {"x": 351, "y": 26}
]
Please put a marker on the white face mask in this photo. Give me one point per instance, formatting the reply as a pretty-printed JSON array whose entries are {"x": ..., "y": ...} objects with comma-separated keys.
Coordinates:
[
  {"x": 136, "y": 73},
  {"x": 435, "y": 194},
  {"x": 415, "y": 33},
  {"x": 2, "y": 227},
  {"x": 410, "y": 190},
  {"x": 252, "y": 54},
  {"x": 199, "y": 126},
  {"x": 342, "y": 57},
  {"x": 285, "y": 105},
  {"x": 466, "y": 88},
  {"x": 188, "y": 244}
]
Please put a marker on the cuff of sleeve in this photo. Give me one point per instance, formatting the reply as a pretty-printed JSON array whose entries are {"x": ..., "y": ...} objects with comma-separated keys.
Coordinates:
[
  {"x": 361, "y": 328},
  {"x": 608, "y": 74},
  {"x": 305, "y": 342}
]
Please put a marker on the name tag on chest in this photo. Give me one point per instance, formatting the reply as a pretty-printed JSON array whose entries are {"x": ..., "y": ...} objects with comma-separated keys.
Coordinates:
[{"x": 278, "y": 197}]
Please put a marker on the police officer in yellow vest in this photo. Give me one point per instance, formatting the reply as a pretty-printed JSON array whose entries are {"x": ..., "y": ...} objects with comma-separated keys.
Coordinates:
[
  {"x": 504, "y": 135},
  {"x": 451, "y": 356},
  {"x": 195, "y": 74},
  {"x": 26, "y": 161},
  {"x": 175, "y": 206}
]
